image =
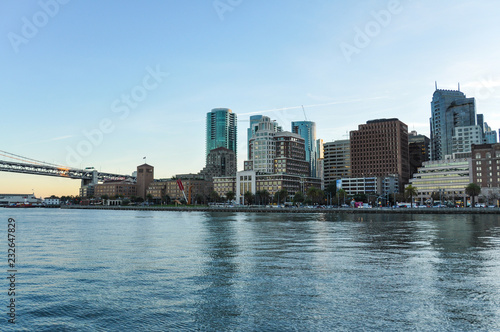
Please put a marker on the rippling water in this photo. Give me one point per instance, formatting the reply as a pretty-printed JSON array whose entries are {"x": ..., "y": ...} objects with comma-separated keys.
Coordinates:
[{"x": 161, "y": 271}]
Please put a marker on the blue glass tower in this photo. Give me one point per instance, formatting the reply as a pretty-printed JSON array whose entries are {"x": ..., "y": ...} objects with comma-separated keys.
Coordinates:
[
  {"x": 221, "y": 130},
  {"x": 307, "y": 130}
]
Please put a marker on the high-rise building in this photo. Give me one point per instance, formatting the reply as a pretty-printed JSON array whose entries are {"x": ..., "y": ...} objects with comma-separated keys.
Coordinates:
[
  {"x": 254, "y": 127},
  {"x": 464, "y": 137},
  {"x": 221, "y": 130},
  {"x": 419, "y": 150},
  {"x": 449, "y": 109},
  {"x": 337, "y": 161},
  {"x": 307, "y": 130},
  {"x": 380, "y": 148},
  {"x": 220, "y": 162},
  {"x": 272, "y": 151}
]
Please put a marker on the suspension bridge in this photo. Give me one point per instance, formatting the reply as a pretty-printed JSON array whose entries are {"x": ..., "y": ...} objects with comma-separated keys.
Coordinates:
[{"x": 20, "y": 164}]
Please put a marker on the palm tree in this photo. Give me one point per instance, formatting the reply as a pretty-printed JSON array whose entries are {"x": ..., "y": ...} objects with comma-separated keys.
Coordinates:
[
  {"x": 472, "y": 190},
  {"x": 341, "y": 193},
  {"x": 411, "y": 191}
]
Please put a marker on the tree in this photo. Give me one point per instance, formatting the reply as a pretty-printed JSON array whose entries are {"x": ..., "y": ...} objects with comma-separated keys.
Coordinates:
[
  {"x": 298, "y": 197},
  {"x": 313, "y": 193},
  {"x": 230, "y": 196},
  {"x": 149, "y": 197},
  {"x": 411, "y": 191},
  {"x": 167, "y": 199},
  {"x": 472, "y": 190},
  {"x": 280, "y": 196},
  {"x": 248, "y": 197},
  {"x": 214, "y": 196}
]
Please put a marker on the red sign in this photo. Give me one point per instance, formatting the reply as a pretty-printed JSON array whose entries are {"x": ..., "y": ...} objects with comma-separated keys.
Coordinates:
[{"x": 179, "y": 183}]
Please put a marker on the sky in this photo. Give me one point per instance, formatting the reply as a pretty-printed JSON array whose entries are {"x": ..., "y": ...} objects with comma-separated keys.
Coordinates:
[{"x": 106, "y": 83}]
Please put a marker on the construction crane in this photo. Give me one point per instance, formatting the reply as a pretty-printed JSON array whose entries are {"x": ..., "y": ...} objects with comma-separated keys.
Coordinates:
[{"x": 303, "y": 110}]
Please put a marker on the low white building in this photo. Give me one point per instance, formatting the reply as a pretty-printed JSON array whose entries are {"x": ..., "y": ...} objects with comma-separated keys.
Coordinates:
[{"x": 52, "y": 201}]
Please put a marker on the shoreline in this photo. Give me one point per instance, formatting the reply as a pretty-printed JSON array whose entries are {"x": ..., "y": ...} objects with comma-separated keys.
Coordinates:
[{"x": 292, "y": 210}]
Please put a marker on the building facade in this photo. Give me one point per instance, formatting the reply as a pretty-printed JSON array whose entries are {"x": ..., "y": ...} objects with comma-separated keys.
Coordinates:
[
  {"x": 449, "y": 109},
  {"x": 112, "y": 188},
  {"x": 380, "y": 148},
  {"x": 307, "y": 130},
  {"x": 337, "y": 161},
  {"x": 485, "y": 167},
  {"x": 220, "y": 162},
  {"x": 464, "y": 137},
  {"x": 221, "y": 130},
  {"x": 447, "y": 177},
  {"x": 145, "y": 175},
  {"x": 418, "y": 148},
  {"x": 194, "y": 188}
]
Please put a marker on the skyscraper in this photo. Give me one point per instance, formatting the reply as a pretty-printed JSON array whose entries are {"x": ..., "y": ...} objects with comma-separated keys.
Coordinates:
[
  {"x": 254, "y": 127},
  {"x": 380, "y": 148},
  {"x": 221, "y": 130},
  {"x": 449, "y": 109},
  {"x": 307, "y": 130}
]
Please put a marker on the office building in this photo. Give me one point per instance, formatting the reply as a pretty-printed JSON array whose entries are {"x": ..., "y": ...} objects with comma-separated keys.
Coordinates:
[
  {"x": 221, "y": 130},
  {"x": 337, "y": 161},
  {"x": 117, "y": 188},
  {"x": 418, "y": 148},
  {"x": 485, "y": 167},
  {"x": 380, "y": 148},
  {"x": 220, "y": 162},
  {"x": 254, "y": 127},
  {"x": 307, "y": 130},
  {"x": 449, "y": 109},
  {"x": 447, "y": 178},
  {"x": 464, "y": 137}
]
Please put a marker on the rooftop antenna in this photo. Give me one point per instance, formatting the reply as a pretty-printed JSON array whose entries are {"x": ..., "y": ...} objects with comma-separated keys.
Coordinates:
[
  {"x": 458, "y": 86},
  {"x": 436, "y": 83},
  {"x": 303, "y": 110}
]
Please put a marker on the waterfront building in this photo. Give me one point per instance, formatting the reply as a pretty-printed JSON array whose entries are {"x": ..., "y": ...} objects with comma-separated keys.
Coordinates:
[
  {"x": 490, "y": 136},
  {"x": 364, "y": 185},
  {"x": 254, "y": 127},
  {"x": 274, "y": 151},
  {"x": 145, "y": 175},
  {"x": 447, "y": 177},
  {"x": 224, "y": 184},
  {"x": 485, "y": 169},
  {"x": 418, "y": 149},
  {"x": 464, "y": 137},
  {"x": 195, "y": 187},
  {"x": 307, "y": 130},
  {"x": 115, "y": 188},
  {"x": 221, "y": 130},
  {"x": 320, "y": 161},
  {"x": 52, "y": 201},
  {"x": 220, "y": 162},
  {"x": 449, "y": 109},
  {"x": 380, "y": 148},
  {"x": 251, "y": 181},
  {"x": 337, "y": 161}
]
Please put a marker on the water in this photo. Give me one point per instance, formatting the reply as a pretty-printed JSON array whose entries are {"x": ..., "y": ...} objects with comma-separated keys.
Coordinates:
[{"x": 167, "y": 271}]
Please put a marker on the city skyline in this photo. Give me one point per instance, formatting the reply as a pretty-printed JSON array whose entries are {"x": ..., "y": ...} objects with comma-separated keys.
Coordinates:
[{"x": 139, "y": 80}]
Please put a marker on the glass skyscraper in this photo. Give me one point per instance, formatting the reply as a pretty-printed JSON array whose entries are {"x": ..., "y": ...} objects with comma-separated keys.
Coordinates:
[
  {"x": 307, "y": 130},
  {"x": 450, "y": 109},
  {"x": 221, "y": 130}
]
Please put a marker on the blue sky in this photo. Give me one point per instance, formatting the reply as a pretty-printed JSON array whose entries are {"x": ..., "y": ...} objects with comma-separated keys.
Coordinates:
[{"x": 67, "y": 68}]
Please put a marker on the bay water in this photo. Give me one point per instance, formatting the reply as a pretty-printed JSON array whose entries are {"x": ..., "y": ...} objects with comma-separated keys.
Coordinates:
[{"x": 95, "y": 270}]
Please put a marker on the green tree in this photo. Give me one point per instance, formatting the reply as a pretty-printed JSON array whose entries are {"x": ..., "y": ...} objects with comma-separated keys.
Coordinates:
[
  {"x": 341, "y": 196},
  {"x": 230, "y": 196},
  {"x": 298, "y": 197},
  {"x": 214, "y": 196},
  {"x": 280, "y": 196},
  {"x": 411, "y": 191},
  {"x": 472, "y": 190},
  {"x": 248, "y": 197}
]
